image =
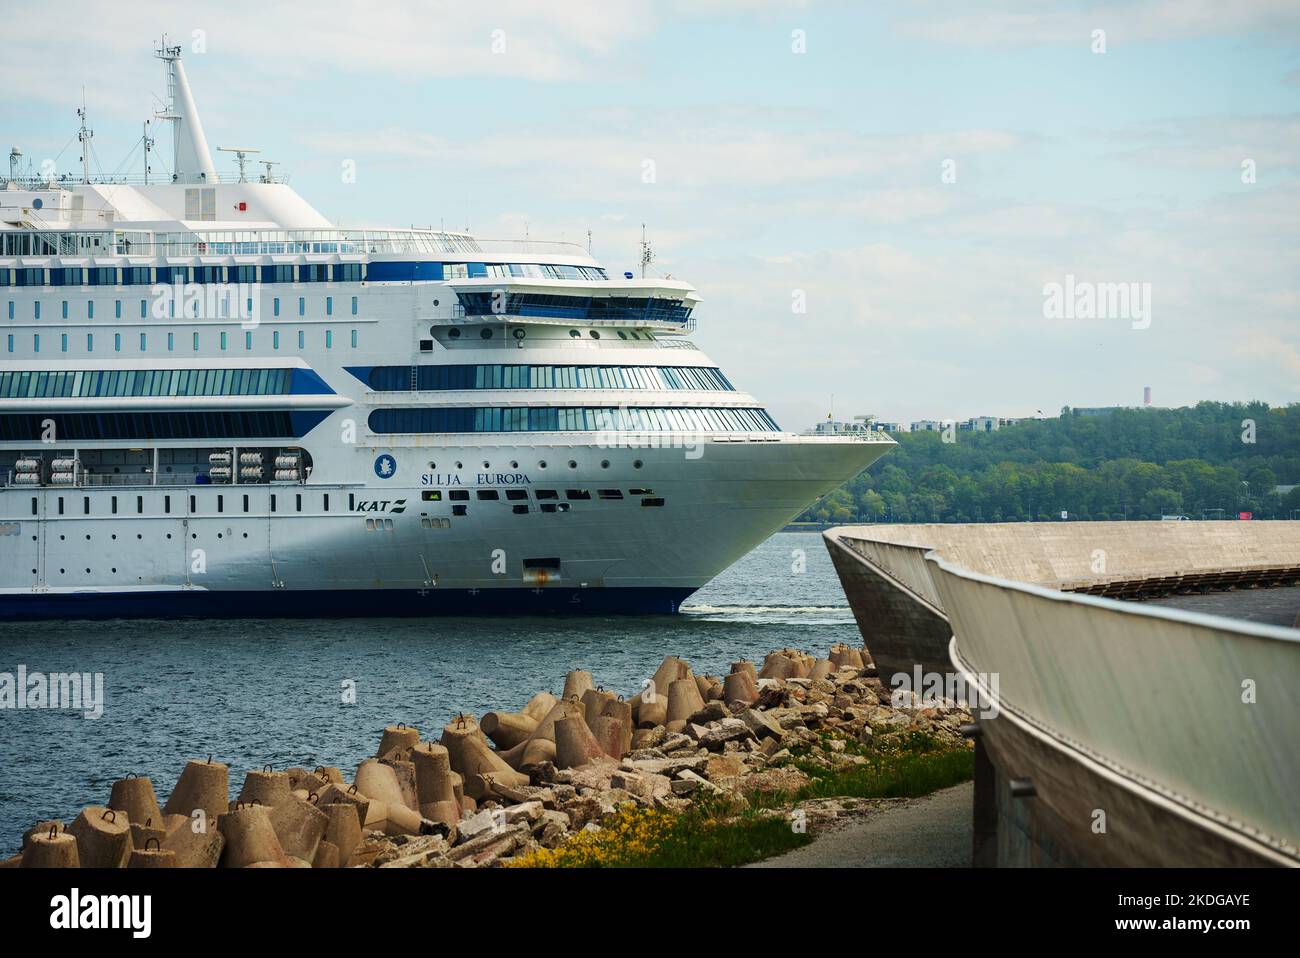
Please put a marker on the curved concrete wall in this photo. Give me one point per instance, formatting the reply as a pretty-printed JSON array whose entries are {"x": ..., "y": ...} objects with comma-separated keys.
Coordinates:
[
  {"x": 1182, "y": 729},
  {"x": 1201, "y": 711}
]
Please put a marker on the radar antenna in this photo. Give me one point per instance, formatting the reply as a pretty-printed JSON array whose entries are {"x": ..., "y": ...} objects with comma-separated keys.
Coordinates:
[
  {"x": 266, "y": 177},
  {"x": 241, "y": 156}
]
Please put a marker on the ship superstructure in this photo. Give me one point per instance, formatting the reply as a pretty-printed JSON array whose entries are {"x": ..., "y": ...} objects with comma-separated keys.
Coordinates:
[{"x": 213, "y": 402}]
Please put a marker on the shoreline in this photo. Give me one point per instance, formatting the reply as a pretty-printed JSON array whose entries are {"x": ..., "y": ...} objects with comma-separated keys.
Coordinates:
[{"x": 719, "y": 755}]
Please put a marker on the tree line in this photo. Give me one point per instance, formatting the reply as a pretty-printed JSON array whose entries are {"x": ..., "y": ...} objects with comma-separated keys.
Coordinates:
[{"x": 1211, "y": 460}]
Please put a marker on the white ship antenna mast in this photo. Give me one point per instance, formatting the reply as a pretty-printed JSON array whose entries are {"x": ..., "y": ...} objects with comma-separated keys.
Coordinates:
[
  {"x": 241, "y": 156},
  {"x": 84, "y": 136},
  {"x": 266, "y": 177},
  {"x": 147, "y": 140},
  {"x": 192, "y": 161},
  {"x": 647, "y": 254}
]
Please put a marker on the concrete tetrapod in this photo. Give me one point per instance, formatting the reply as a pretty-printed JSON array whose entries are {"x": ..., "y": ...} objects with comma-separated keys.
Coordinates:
[
  {"x": 844, "y": 656},
  {"x": 265, "y": 787},
  {"x": 576, "y": 683},
  {"x": 540, "y": 745},
  {"x": 327, "y": 856},
  {"x": 135, "y": 796},
  {"x": 379, "y": 783},
  {"x": 204, "y": 785},
  {"x": 103, "y": 837},
  {"x": 299, "y": 826},
  {"x": 621, "y": 710},
  {"x": 343, "y": 831},
  {"x": 250, "y": 839},
  {"x": 152, "y": 855},
  {"x": 611, "y": 734},
  {"x": 684, "y": 700},
  {"x": 744, "y": 665},
  {"x": 197, "y": 841},
  {"x": 539, "y": 706},
  {"x": 397, "y": 736},
  {"x": 470, "y": 756},
  {"x": 433, "y": 784},
  {"x": 404, "y": 769},
  {"x": 822, "y": 669},
  {"x": 507, "y": 729},
  {"x": 593, "y": 702},
  {"x": 740, "y": 687},
  {"x": 574, "y": 743},
  {"x": 141, "y": 835},
  {"x": 53, "y": 849}
]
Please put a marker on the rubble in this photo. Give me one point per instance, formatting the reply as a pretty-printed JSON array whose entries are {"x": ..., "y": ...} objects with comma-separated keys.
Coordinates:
[{"x": 498, "y": 788}]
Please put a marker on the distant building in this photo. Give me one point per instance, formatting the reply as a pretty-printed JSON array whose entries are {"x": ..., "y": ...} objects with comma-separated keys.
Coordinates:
[
  {"x": 984, "y": 423},
  {"x": 927, "y": 425}
]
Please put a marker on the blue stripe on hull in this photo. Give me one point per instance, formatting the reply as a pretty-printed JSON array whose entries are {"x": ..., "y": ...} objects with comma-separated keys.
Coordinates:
[{"x": 355, "y": 603}]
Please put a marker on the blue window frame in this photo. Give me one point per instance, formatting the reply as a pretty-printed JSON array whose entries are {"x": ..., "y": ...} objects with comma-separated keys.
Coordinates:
[
  {"x": 275, "y": 306},
  {"x": 223, "y": 339},
  {"x": 354, "y": 305},
  {"x": 329, "y": 339},
  {"x": 275, "y": 339},
  {"x": 302, "y": 339},
  {"x": 117, "y": 309},
  {"x": 37, "y": 311},
  {"x": 64, "y": 343},
  {"x": 248, "y": 340},
  {"x": 142, "y": 342},
  {"x": 117, "y": 342},
  {"x": 302, "y": 306},
  {"x": 90, "y": 342},
  {"x": 11, "y": 342},
  {"x": 90, "y": 309},
  {"x": 171, "y": 341},
  {"x": 277, "y": 274},
  {"x": 196, "y": 342},
  {"x": 354, "y": 339},
  {"x": 329, "y": 305},
  {"x": 569, "y": 419},
  {"x": 36, "y": 342},
  {"x": 65, "y": 309},
  {"x": 347, "y": 273},
  {"x": 144, "y": 309},
  {"x": 314, "y": 273}
]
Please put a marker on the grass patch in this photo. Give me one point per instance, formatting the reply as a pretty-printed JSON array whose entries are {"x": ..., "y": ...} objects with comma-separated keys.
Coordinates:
[{"x": 728, "y": 830}]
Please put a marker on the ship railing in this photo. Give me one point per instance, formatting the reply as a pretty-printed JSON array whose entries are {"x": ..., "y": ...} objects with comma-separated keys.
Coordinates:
[{"x": 543, "y": 247}]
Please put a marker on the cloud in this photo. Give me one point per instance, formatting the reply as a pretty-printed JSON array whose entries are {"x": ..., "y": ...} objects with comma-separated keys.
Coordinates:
[{"x": 1033, "y": 23}]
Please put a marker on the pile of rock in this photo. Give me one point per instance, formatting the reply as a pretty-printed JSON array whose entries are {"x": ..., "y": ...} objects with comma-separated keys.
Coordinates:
[{"x": 508, "y": 783}]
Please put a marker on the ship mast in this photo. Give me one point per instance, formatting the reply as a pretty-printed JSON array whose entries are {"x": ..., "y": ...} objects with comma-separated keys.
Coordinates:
[{"x": 192, "y": 161}]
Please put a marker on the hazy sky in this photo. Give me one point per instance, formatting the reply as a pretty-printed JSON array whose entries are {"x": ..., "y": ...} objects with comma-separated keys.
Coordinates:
[{"x": 920, "y": 172}]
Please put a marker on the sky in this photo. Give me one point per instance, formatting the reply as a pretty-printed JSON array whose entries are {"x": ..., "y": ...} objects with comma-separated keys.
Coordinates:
[{"x": 875, "y": 201}]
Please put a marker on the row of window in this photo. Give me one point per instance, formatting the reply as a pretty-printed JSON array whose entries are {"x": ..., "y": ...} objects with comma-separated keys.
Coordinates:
[
  {"x": 224, "y": 306},
  {"x": 30, "y": 384},
  {"x": 223, "y": 340},
  {"x": 287, "y": 273},
  {"x": 571, "y": 419},
  {"x": 640, "y": 309},
  {"x": 547, "y": 499},
  {"x": 489, "y": 376},
  {"x": 72, "y": 427}
]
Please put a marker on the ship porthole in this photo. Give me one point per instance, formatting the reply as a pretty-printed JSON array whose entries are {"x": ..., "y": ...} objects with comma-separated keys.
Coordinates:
[
  {"x": 594, "y": 334},
  {"x": 453, "y": 333},
  {"x": 574, "y": 333},
  {"x": 459, "y": 466},
  {"x": 514, "y": 464},
  {"x": 573, "y": 464},
  {"x": 486, "y": 464},
  {"x": 636, "y": 463},
  {"x": 604, "y": 463},
  {"x": 542, "y": 464},
  {"x": 485, "y": 333}
]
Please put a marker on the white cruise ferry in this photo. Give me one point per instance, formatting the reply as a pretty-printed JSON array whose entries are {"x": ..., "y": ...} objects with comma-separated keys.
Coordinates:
[{"x": 215, "y": 403}]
